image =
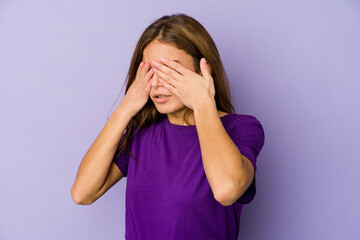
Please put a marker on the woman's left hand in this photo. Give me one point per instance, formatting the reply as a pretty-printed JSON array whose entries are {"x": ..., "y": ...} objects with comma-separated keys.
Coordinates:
[{"x": 191, "y": 88}]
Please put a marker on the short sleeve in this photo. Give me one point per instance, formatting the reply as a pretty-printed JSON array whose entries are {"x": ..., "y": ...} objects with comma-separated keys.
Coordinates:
[
  {"x": 122, "y": 161},
  {"x": 248, "y": 135}
]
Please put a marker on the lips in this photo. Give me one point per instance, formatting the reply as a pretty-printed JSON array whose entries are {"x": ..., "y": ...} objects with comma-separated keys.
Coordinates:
[
  {"x": 161, "y": 99},
  {"x": 160, "y": 94}
]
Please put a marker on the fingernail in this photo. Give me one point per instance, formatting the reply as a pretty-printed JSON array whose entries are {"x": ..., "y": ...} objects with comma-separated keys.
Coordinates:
[{"x": 155, "y": 64}]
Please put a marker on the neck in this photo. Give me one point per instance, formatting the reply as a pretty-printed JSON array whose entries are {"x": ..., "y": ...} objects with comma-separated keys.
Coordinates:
[{"x": 178, "y": 118}]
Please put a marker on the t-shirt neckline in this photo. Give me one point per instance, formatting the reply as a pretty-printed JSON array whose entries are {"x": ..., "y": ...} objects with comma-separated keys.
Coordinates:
[{"x": 186, "y": 128}]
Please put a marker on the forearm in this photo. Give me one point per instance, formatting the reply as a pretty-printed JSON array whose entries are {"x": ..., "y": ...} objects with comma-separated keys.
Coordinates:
[
  {"x": 96, "y": 163},
  {"x": 224, "y": 166}
]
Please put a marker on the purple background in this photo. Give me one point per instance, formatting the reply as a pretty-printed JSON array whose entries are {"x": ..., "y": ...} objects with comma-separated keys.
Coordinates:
[{"x": 293, "y": 64}]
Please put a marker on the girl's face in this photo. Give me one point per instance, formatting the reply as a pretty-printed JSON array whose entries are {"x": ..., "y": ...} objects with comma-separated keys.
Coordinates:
[{"x": 153, "y": 52}]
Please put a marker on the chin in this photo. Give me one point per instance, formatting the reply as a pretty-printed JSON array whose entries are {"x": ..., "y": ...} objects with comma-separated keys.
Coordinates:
[{"x": 168, "y": 107}]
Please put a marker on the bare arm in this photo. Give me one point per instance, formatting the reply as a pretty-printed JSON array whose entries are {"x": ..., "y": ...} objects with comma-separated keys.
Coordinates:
[
  {"x": 97, "y": 173},
  {"x": 228, "y": 171}
]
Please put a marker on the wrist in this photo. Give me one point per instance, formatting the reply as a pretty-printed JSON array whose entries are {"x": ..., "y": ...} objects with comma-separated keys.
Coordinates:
[
  {"x": 127, "y": 108},
  {"x": 123, "y": 112},
  {"x": 207, "y": 103}
]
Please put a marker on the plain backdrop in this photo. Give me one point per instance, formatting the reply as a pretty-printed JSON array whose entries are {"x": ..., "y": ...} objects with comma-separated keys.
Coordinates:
[{"x": 295, "y": 65}]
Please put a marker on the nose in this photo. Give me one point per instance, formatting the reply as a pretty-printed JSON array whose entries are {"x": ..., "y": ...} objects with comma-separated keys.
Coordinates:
[{"x": 155, "y": 82}]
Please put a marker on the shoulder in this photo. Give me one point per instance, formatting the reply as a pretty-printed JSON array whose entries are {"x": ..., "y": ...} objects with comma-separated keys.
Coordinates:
[
  {"x": 244, "y": 126},
  {"x": 242, "y": 121},
  {"x": 247, "y": 133}
]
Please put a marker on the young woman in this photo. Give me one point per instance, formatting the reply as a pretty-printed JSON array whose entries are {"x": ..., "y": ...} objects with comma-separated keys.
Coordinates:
[{"x": 190, "y": 161}]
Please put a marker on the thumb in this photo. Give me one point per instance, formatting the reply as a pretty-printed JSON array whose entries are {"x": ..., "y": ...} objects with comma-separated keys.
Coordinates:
[{"x": 205, "y": 68}]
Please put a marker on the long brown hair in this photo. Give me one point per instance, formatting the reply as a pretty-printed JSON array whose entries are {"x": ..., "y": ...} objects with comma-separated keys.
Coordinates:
[{"x": 186, "y": 34}]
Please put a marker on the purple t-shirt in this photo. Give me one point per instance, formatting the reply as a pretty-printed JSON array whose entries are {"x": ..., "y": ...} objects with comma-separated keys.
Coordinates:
[{"x": 167, "y": 193}]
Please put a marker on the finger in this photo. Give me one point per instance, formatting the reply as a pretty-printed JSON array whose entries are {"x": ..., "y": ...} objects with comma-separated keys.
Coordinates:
[
  {"x": 205, "y": 69},
  {"x": 146, "y": 68},
  {"x": 169, "y": 87},
  {"x": 165, "y": 77},
  {"x": 167, "y": 70},
  {"x": 148, "y": 75},
  {"x": 148, "y": 86},
  {"x": 176, "y": 66},
  {"x": 141, "y": 65}
]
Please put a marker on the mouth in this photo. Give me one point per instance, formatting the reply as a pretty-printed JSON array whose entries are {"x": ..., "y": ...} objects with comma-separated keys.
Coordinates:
[{"x": 162, "y": 98}]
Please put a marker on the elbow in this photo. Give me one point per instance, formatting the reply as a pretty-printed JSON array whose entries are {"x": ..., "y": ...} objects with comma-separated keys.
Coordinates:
[
  {"x": 225, "y": 201},
  {"x": 224, "y": 195},
  {"x": 227, "y": 196},
  {"x": 78, "y": 199}
]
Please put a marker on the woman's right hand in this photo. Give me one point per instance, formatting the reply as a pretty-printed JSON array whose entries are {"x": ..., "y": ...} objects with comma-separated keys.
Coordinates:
[{"x": 139, "y": 90}]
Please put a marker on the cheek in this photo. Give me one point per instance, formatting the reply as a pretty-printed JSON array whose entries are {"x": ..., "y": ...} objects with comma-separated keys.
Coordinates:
[{"x": 177, "y": 104}]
